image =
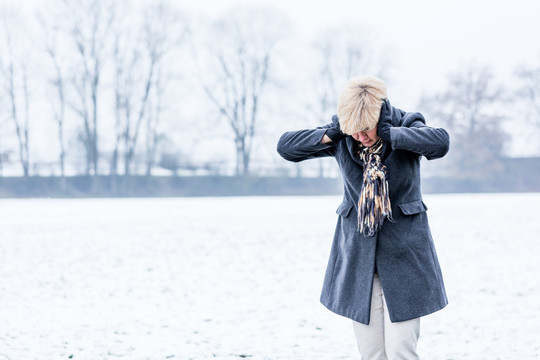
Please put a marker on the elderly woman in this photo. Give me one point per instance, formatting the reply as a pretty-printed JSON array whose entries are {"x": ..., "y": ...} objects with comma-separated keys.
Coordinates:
[{"x": 383, "y": 271}]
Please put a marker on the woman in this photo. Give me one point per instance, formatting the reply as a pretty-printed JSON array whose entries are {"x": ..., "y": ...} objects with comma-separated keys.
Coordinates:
[{"x": 383, "y": 271}]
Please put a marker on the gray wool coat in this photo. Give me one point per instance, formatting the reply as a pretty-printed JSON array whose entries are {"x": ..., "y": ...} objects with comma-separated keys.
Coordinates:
[{"x": 402, "y": 251}]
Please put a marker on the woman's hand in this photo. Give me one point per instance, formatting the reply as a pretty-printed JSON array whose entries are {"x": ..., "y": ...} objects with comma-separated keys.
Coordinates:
[
  {"x": 325, "y": 139},
  {"x": 385, "y": 121},
  {"x": 333, "y": 133}
]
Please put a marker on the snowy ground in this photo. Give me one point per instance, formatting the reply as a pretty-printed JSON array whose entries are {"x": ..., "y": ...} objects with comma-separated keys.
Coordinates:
[{"x": 233, "y": 278}]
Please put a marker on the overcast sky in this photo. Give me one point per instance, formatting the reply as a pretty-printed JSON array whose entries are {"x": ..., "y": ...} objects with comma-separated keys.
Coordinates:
[{"x": 430, "y": 38}]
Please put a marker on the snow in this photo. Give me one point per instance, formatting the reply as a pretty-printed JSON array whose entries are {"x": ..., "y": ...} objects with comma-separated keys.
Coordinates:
[{"x": 233, "y": 278}]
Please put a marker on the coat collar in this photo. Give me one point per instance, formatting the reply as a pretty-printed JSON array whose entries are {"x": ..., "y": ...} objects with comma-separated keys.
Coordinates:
[{"x": 352, "y": 146}]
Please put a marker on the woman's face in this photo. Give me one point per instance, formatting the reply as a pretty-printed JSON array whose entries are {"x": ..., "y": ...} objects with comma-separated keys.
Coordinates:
[{"x": 366, "y": 138}]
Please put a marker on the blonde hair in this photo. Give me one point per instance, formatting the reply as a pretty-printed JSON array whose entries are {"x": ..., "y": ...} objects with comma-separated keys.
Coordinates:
[{"x": 359, "y": 104}]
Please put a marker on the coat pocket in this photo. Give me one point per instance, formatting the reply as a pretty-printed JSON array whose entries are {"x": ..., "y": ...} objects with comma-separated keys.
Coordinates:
[
  {"x": 344, "y": 209},
  {"x": 412, "y": 207}
]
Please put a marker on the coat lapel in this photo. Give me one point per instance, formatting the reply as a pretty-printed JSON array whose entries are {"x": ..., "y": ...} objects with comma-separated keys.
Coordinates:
[
  {"x": 352, "y": 146},
  {"x": 385, "y": 151}
]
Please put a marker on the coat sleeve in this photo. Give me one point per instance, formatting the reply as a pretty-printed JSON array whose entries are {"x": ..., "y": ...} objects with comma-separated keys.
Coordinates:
[
  {"x": 415, "y": 136},
  {"x": 306, "y": 144}
]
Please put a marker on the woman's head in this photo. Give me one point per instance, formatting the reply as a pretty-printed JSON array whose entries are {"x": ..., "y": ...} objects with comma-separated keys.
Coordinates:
[{"x": 360, "y": 103}]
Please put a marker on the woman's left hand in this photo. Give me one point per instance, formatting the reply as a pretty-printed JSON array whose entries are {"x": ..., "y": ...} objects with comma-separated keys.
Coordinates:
[{"x": 385, "y": 121}]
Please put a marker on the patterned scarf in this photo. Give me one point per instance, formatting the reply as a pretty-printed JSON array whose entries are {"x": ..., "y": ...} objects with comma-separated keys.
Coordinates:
[{"x": 374, "y": 203}]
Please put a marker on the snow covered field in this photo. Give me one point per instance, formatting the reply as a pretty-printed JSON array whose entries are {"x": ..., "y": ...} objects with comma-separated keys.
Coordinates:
[{"x": 233, "y": 278}]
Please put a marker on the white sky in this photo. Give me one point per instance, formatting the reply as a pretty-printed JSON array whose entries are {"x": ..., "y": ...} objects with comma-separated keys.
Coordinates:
[{"x": 430, "y": 38}]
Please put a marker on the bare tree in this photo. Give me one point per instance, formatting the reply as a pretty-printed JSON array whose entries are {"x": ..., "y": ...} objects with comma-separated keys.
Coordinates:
[
  {"x": 51, "y": 40},
  {"x": 470, "y": 109},
  {"x": 165, "y": 30},
  {"x": 530, "y": 89},
  {"x": 154, "y": 135},
  {"x": 127, "y": 60},
  {"x": 14, "y": 67},
  {"x": 89, "y": 24},
  {"x": 242, "y": 46},
  {"x": 140, "y": 78},
  {"x": 4, "y": 155}
]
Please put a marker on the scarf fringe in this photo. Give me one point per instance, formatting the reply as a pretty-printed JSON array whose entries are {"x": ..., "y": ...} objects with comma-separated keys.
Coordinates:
[{"x": 374, "y": 202}]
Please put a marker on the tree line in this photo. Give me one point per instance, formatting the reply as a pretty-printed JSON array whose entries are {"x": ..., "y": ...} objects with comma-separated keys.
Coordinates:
[{"x": 114, "y": 88}]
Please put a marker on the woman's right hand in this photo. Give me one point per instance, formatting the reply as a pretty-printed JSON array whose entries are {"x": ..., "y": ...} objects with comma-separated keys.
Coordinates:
[
  {"x": 325, "y": 139},
  {"x": 334, "y": 133}
]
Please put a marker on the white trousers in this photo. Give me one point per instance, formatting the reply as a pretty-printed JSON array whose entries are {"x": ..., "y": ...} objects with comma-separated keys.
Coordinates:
[{"x": 382, "y": 339}]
